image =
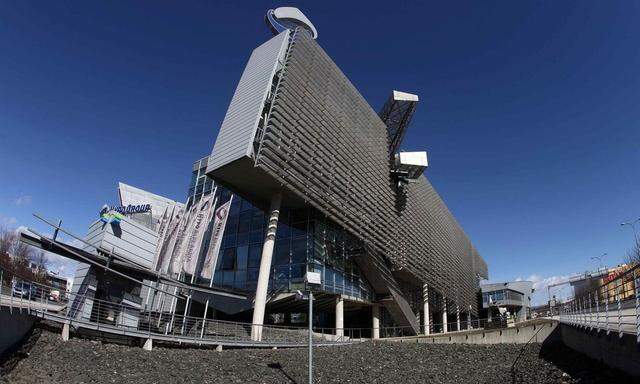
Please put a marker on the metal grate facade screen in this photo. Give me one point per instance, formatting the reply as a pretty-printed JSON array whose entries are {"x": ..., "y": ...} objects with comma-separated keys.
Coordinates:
[{"x": 324, "y": 142}]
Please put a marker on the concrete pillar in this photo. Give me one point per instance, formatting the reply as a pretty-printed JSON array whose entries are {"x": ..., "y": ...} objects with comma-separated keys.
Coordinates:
[
  {"x": 65, "y": 332},
  {"x": 339, "y": 317},
  {"x": 458, "y": 317},
  {"x": 444, "y": 315},
  {"x": 425, "y": 308},
  {"x": 148, "y": 345},
  {"x": 469, "y": 325},
  {"x": 265, "y": 269},
  {"x": 376, "y": 322}
]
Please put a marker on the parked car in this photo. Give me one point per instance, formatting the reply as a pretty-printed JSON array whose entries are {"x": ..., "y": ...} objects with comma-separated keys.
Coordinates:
[
  {"x": 54, "y": 295},
  {"x": 21, "y": 289}
]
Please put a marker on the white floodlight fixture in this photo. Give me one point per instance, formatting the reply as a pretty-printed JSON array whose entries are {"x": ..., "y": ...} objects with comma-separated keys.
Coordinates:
[
  {"x": 412, "y": 164},
  {"x": 404, "y": 96}
]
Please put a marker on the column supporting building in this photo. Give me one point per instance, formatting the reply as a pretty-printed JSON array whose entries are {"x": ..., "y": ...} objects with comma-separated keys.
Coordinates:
[
  {"x": 425, "y": 309},
  {"x": 444, "y": 315},
  {"x": 458, "y": 317},
  {"x": 469, "y": 325},
  {"x": 375, "y": 332},
  {"x": 65, "y": 331},
  {"x": 265, "y": 268},
  {"x": 339, "y": 317}
]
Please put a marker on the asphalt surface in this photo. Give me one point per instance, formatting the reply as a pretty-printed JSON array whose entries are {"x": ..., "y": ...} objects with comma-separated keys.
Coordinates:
[{"x": 47, "y": 359}]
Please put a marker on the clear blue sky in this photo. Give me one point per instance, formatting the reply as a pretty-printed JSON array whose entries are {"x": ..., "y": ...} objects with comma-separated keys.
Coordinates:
[{"x": 529, "y": 110}]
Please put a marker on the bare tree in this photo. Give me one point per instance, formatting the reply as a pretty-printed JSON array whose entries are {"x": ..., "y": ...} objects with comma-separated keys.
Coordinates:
[
  {"x": 7, "y": 240},
  {"x": 15, "y": 256},
  {"x": 633, "y": 254},
  {"x": 40, "y": 260}
]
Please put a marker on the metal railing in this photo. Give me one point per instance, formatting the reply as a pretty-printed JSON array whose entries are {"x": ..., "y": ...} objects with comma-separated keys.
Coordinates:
[
  {"x": 614, "y": 306},
  {"x": 83, "y": 310}
]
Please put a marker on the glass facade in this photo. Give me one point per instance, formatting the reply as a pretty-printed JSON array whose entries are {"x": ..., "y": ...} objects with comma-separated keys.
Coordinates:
[
  {"x": 501, "y": 295},
  {"x": 305, "y": 240},
  {"x": 200, "y": 185}
]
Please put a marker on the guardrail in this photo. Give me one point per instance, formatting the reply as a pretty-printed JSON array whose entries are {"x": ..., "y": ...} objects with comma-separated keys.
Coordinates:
[
  {"x": 613, "y": 306},
  {"x": 83, "y": 310}
]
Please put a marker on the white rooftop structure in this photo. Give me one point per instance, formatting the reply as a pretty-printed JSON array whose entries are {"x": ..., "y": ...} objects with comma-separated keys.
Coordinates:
[{"x": 283, "y": 18}]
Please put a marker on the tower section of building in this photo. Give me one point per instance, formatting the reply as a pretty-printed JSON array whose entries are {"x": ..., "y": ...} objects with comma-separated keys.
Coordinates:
[{"x": 298, "y": 127}]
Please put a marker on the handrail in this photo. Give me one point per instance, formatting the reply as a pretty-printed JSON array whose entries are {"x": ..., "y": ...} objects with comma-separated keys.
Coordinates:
[
  {"x": 613, "y": 306},
  {"x": 148, "y": 322}
]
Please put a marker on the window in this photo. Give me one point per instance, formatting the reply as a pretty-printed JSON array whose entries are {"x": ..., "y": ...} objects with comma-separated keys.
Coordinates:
[
  {"x": 245, "y": 222},
  {"x": 229, "y": 259},
  {"x": 245, "y": 206},
  {"x": 257, "y": 221},
  {"x": 232, "y": 224},
  {"x": 299, "y": 250},
  {"x": 255, "y": 254},
  {"x": 283, "y": 230},
  {"x": 252, "y": 274},
  {"x": 227, "y": 280},
  {"x": 256, "y": 236},
  {"x": 298, "y": 271},
  {"x": 282, "y": 252},
  {"x": 240, "y": 279},
  {"x": 241, "y": 257}
]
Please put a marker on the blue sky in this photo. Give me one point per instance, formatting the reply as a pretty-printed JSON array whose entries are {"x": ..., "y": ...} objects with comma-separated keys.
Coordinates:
[{"x": 529, "y": 110}]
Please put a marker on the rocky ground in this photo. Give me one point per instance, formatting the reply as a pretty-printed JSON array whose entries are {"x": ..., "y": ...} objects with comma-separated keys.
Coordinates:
[{"x": 51, "y": 360}]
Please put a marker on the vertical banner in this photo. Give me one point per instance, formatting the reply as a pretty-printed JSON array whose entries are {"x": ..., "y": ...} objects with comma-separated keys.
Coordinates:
[
  {"x": 193, "y": 239},
  {"x": 166, "y": 251},
  {"x": 220, "y": 220},
  {"x": 162, "y": 231},
  {"x": 176, "y": 256}
]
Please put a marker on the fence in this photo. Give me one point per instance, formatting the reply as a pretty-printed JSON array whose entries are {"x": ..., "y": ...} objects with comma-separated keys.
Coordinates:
[
  {"x": 83, "y": 310},
  {"x": 613, "y": 306}
]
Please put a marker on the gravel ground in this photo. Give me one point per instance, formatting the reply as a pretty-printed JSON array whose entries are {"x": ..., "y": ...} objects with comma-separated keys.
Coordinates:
[{"x": 85, "y": 361}]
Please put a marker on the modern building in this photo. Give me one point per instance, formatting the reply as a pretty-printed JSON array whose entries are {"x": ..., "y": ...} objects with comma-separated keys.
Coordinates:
[
  {"x": 322, "y": 173},
  {"x": 58, "y": 282},
  {"x": 304, "y": 179},
  {"x": 605, "y": 281},
  {"x": 514, "y": 297}
]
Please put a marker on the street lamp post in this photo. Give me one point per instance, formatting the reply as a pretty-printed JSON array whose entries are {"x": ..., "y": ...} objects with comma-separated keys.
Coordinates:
[
  {"x": 313, "y": 279},
  {"x": 599, "y": 258},
  {"x": 632, "y": 224}
]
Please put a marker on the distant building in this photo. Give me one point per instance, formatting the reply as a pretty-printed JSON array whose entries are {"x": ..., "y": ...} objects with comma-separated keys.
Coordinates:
[
  {"x": 515, "y": 296},
  {"x": 57, "y": 282},
  {"x": 201, "y": 184},
  {"x": 590, "y": 282}
]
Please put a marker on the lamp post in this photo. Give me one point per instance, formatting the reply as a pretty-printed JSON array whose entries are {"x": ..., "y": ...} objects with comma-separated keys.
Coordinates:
[
  {"x": 632, "y": 224},
  {"x": 312, "y": 279},
  {"x": 599, "y": 258}
]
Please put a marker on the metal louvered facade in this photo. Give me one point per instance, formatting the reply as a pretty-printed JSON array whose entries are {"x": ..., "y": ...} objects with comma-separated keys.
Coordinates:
[{"x": 324, "y": 146}]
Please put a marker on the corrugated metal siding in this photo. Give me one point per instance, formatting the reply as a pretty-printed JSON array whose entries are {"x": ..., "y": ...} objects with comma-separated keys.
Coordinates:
[
  {"x": 135, "y": 242},
  {"x": 238, "y": 128},
  {"x": 325, "y": 143}
]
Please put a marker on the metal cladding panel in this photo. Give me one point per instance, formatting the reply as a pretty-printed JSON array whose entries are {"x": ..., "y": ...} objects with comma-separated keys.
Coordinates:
[
  {"x": 324, "y": 143},
  {"x": 238, "y": 129}
]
